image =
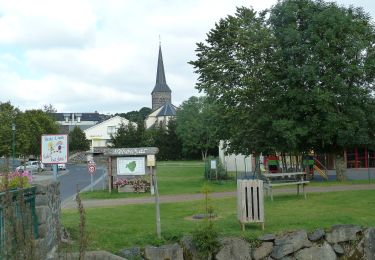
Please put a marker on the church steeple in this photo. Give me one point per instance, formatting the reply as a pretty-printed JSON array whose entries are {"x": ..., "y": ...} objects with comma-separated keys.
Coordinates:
[{"x": 161, "y": 93}]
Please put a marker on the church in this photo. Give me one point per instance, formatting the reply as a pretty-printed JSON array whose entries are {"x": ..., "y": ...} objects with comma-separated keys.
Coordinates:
[{"x": 162, "y": 108}]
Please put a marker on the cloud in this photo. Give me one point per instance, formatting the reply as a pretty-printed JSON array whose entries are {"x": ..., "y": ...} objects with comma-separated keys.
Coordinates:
[
  {"x": 47, "y": 23},
  {"x": 87, "y": 55}
]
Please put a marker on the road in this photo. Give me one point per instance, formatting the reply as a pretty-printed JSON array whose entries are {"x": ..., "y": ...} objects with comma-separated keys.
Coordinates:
[{"x": 76, "y": 175}]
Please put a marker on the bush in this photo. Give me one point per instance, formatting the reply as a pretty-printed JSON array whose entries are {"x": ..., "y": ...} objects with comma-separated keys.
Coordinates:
[
  {"x": 14, "y": 180},
  {"x": 205, "y": 239}
]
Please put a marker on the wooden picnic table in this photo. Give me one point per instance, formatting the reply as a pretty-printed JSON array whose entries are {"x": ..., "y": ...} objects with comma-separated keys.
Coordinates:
[{"x": 284, "y": 179}]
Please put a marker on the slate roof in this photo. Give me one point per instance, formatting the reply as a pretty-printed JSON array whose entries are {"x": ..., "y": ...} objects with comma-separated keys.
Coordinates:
[
  {"x": 167, "y": 110},
  {"x": 96, "y": 117},
  {"x": 161, "y": 83}
]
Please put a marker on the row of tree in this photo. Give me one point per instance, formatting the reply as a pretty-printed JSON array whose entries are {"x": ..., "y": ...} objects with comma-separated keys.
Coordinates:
[
  {"x": 190, "y": 135},
  {"x": 28, "y": 128},
  {"x": 293, "y": 78}
]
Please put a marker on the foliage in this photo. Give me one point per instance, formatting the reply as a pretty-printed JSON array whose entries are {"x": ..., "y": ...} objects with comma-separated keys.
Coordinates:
[
  {"x": 78, "y": 140},
  {"x": 137, "y": 116},
  {"x": 196, "y": 126},
  {"x": 8, "y": 115},
  {"x": 166, "y": 139},
  {"x": 206, "y": 240},
  {"x": 14, "y": 180},
  {"x": 31, "y": 125},
  {"x": 139, "y": 184},
  {"x": 294, "y": 78},
  {"x": 129, "y": 136}
]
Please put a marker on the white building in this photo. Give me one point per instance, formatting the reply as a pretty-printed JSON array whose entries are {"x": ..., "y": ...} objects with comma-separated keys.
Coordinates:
[
  {"x": 235, "y": 162},
  {"x": 100, "y": 134}
]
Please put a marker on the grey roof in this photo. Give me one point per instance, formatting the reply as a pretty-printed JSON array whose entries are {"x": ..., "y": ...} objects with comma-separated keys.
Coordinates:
[
  {"x": 161, "y": 83},
  {"x": 167, "y": 110},
  {"x": 96, "y": 117}
]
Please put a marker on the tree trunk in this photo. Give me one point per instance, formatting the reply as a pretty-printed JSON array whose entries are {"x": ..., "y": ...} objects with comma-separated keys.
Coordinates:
[
  {"x": 340, "y": 166},
  {"x": 204, "y": 154}
]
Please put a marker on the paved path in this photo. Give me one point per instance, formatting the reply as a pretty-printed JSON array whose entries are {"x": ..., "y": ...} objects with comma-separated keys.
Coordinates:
[{"x": 192, "y": 197}]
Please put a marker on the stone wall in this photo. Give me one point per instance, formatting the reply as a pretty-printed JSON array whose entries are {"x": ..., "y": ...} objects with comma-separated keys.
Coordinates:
[
  {"x": 338, "y": 242},
  {"x": 47, "y": 204}
]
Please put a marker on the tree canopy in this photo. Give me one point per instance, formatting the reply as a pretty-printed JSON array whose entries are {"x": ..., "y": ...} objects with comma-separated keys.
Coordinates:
[
  {"x": 197, "y": 126},
  {"x": 296, "y": 77},
  {"x": 78, "y": 140}
]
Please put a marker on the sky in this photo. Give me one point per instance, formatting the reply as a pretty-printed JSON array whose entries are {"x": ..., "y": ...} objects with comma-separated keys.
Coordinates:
[{"x": 101, "y": 55}]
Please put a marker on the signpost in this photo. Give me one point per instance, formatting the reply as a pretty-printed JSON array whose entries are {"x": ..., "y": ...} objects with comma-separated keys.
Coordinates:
[
  {"x": 54, "y": 150},
  {"x": 91, "y": 167}
]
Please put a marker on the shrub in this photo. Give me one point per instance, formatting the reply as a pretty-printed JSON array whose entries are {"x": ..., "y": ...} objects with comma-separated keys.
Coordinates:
[
  {"x": 15, "y": 180},
  {"x": 205, "y": 239}
]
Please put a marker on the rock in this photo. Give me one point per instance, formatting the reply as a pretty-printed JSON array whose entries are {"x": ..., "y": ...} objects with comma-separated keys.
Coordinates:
[
  {"x": 234, "y": 248},
  {"x": 290, "y": 243},
  {"x": 342, "y": 233},
  {"x": 316, "y": 235},
  {"x": 369, "y": 244},
  {"x": 316, "y": 252},
  {"x": 190, "y": 252},
  {"x": 338, "y": 249},
  {"x": 267, "y": 237},
  {"x": 263, "y": 251},
  {"x": 357, "y": 252},
  {"x": 131, "y": 253},
  {"x": 171, "y": 252},
  {"x": 93, "y": 255}
]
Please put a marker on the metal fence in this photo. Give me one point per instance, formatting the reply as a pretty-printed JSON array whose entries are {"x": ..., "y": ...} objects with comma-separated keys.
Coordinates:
[{"x": 11, "y": 200}]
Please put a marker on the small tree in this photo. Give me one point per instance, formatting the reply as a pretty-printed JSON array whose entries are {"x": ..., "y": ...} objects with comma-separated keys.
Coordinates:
[
  {"x": 196, "y": 126},
  {"x": 78, "y": 140}
]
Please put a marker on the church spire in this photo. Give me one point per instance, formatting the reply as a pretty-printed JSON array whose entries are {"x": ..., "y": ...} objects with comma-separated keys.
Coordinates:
[{"x": 161, "y": 83}]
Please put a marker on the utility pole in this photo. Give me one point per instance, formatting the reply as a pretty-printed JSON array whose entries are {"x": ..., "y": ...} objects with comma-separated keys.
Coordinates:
[{"x": 13, "y": 144}]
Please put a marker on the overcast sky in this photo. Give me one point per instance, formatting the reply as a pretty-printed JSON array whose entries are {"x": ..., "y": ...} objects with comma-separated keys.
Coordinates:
[{"x": 86, "y": 56}]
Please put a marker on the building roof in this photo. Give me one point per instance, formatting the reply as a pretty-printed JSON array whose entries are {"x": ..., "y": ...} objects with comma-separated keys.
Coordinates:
[
  {"x": 96, "y": 117},
  {"x": 161, "y": 83},
  {"x": 167, "y": 110}
]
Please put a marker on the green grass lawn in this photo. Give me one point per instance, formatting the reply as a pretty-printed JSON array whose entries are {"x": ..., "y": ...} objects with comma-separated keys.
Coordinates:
[
  {"x": 117, "y": 227},
  {"x": 173, "y": 178},
  {"x": 184, "y": 177}
]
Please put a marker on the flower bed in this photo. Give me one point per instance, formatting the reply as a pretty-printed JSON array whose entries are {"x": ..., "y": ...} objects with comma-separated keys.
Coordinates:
[
  {"x": 15, "y": 180},
  {"x": 132, "y": 185}
]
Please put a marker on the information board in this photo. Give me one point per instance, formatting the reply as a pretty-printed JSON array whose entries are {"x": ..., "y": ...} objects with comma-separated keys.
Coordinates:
[
  {"x": 54, "y": 149},
  {"x": 131, "y": 166}
]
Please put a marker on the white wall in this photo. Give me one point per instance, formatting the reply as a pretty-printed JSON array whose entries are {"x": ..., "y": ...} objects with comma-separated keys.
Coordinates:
[
  {"x": 235, "y": 162},
  {"x": 98, "y": 134}
]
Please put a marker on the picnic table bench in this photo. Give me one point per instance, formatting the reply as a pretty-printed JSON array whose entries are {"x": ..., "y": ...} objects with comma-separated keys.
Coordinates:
[{"x": 284, "y": 179}]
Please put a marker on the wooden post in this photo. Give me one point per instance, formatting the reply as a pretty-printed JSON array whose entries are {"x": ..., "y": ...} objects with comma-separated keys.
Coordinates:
[
  {"x": 158, "y": 228},
  {"x": 110, "y": 174},
  {"x": 152, "y": 188}
]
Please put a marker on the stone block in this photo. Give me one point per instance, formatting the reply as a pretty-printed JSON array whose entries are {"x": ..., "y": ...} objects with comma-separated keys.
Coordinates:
[
  {"x": 263, "y": 251},
  {"x": 234, "y": 248},
  {"x": 369, "y": 244},
  {"x": 342, "y": 233},
  {"x": 317, "y": 252},
  {"x": 172, "y": 252}
]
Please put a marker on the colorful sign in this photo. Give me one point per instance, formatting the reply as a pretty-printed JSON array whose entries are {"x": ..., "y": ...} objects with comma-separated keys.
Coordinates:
[
  {"x": 131, "y": 166},
  {"x": 54, "y": 149}
]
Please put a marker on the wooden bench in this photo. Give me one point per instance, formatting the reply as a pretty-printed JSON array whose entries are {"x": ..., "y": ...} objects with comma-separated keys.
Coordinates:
[{"x": 284, "y": 179}]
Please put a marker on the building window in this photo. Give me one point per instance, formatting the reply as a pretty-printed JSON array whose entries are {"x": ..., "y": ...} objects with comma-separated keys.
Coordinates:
[{"x": 111, "y": 130}]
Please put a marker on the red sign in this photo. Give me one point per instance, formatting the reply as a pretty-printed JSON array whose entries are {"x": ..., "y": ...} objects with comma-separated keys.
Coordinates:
[{"x": 91, "y": 167}]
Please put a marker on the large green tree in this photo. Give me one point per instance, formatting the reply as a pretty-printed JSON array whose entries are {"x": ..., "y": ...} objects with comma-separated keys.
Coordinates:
[
  {"x": 296, "y": 77},
  {"x": 8, "y": 114},
  {"x": 78, "y": 140},
  {"x": 197, "y": 126}
]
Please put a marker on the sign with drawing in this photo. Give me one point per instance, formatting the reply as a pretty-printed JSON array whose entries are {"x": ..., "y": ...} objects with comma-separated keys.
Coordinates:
[
  {"x": 54, "y": 149},
  {"x": 131, "y": 166}
]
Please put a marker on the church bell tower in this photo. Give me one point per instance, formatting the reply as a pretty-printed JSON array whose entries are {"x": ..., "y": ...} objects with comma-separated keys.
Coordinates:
[{"x": 161, "y": 94}]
